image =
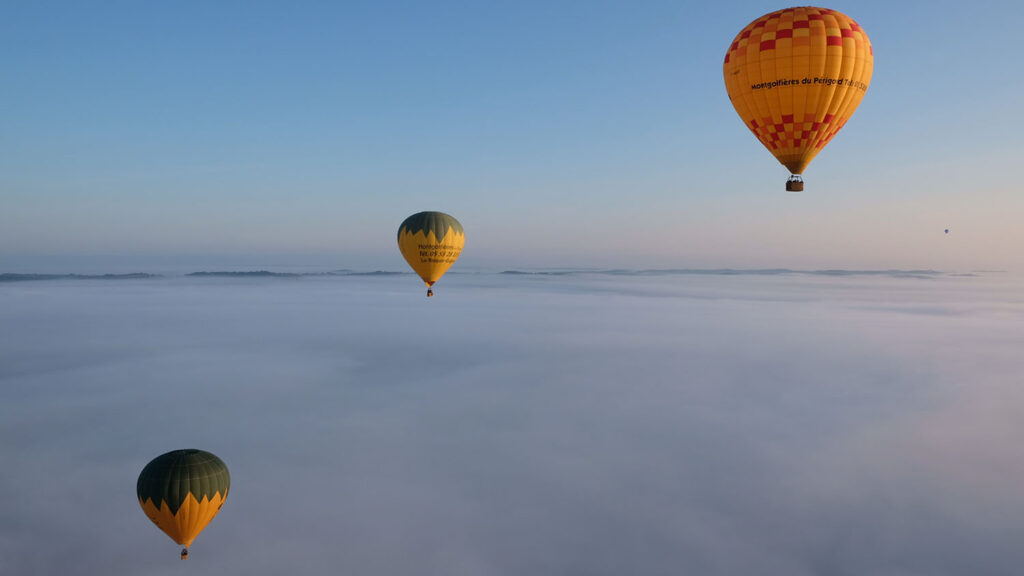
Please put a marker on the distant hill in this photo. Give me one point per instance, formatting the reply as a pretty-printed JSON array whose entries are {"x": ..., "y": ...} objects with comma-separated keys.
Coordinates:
[
  {"x": 268, "y": 274},
  {"x": 11, "y": 277},
  {"x": 248, "y": 274}
]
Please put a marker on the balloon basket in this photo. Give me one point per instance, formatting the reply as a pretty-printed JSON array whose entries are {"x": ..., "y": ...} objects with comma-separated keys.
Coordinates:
[{"x": 795, "y": 184}]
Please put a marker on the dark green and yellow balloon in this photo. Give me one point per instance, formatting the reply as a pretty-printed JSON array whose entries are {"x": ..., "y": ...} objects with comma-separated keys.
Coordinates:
[
  {"x": 181, "y": 491},
  {"x": 431, "y": 242}
]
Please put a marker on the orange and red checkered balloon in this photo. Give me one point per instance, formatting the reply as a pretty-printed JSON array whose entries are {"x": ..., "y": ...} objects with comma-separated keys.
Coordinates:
[{"x": 795, "y": 77}]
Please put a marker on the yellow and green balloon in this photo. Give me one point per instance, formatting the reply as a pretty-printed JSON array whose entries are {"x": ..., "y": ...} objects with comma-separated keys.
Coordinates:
[
  {"x": 795, "y": 77},
  {"x": 431, "y": 242},
  {"x": 181, "y": 491}
]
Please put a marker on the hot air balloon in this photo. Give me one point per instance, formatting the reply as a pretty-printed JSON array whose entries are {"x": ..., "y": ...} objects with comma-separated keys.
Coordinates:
[
  {"x": 431, "y": 242},
  {"x": 795, "y": 77},
  {"x": 181, "y": 491}
]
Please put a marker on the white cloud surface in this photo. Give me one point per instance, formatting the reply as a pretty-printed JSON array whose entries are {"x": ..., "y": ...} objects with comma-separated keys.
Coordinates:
[{"x": 581, "y": 424}]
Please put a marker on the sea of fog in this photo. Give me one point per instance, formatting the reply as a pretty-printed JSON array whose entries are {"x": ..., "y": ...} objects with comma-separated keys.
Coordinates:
[{"x": 663, "y": 423}]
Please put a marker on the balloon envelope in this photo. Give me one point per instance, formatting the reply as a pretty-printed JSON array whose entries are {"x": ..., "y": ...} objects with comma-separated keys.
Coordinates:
[
  {"x": 431, "y": 242},
  {"x": 182, "y": 490},
  {"x": 795, "y": 77}
]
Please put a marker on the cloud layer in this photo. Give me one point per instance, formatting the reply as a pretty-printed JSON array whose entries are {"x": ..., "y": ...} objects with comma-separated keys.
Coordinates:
[{"x": 579, "y": 424}]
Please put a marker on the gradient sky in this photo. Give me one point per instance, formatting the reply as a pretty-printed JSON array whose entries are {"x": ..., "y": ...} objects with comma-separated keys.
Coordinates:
[{"x": 559, "y": 133}]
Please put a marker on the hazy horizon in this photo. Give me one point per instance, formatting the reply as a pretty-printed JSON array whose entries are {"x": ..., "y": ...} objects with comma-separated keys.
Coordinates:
[{"x": 178, "y": 264}]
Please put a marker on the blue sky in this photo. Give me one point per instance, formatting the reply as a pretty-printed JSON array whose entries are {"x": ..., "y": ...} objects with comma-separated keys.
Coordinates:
[{"x": 559, "y": 133}]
